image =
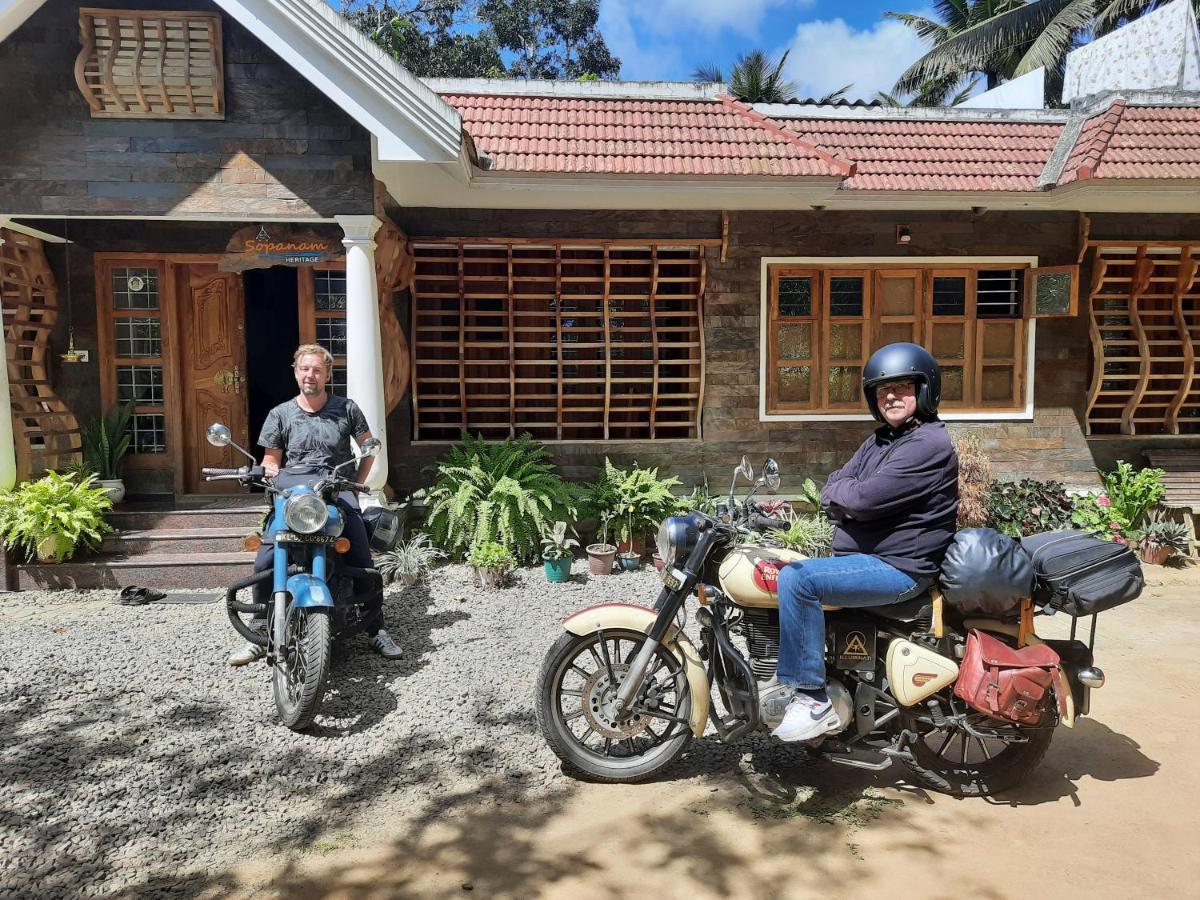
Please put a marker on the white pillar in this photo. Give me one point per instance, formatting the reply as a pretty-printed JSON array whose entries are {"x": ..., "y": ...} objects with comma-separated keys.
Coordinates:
[
  {"x": 8, "y": 451},
  {"x": 364, "y": 352}
]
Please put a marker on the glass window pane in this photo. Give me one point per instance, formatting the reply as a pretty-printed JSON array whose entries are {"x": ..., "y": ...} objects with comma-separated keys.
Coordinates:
[
  {"x": 997, "y": 383},
  {"x": 1052, "y": 293},
  {"x": 892, "y": 332},
  {"x": 135, "y": 288},
  {"x": 898, "y": 297},
  {"x": 950, "y": 295},
  {"x": 795, "y": 341},
  {"x": 846, "y": 295},
  {"x": 795, "y": 384},
  {"x": 331, "y": 334},
  {"x": 141, "y": 384},
  {"x": 149, "y": 433},
  {"x": 845, "y": 384},
  {"x": 337, "y": 381},
  {"x": 330, "y": 290},
  {"x": 999, "y": 341},
  {"x": 998, "y": 293},
  {"x": 949, "y": 341},
  {"x": 137, "y": 336},
  {"x": 795, "y": 296},
  {"x": 952, "y": 384},
  {"x": 845, "y": 341}
]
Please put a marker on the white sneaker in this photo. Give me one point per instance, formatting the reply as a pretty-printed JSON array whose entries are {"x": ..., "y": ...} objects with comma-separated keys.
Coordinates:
[
  {"x": 248, "y": 654},
  {"x": 807, "y": 718},
  {"x": 773, "y": 700}
]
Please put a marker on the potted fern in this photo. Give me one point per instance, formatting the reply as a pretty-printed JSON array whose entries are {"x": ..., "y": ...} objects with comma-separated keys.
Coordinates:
[
  {"x": 645, "y": 500},
  {"x": 105, "y": 443},
  {"x": 556, "y": 554},
  {"x": 410, "y": 561},
  {"x": 492, "y": 563},
  {"x": 51, "y": 518},
  {"x": 629, "y": 559}
]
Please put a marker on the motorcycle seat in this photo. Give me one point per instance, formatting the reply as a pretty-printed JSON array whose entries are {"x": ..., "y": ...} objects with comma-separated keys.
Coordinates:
[{"x": 905, "y": 611}]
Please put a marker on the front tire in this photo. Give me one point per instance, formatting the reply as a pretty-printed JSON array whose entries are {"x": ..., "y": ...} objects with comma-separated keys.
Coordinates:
[
  {"x": 301, "y": 666},
  {"x": 573, "y": 688}
]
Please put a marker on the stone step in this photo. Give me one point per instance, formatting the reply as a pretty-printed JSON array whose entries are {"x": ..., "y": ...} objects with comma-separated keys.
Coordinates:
[
  {"x": 156, "y": 570},
  {"x": 151, "y": 520},
  {"x": 157, "y": 541}
]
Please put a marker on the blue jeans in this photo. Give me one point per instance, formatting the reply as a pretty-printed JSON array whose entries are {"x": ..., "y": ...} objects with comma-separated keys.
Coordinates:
[{"x": 854, "y": 580}]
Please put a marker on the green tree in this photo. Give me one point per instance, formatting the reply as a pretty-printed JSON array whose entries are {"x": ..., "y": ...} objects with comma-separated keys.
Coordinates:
[
  {"x": 756, "y": 78},
  {"x": 430, "y": 38},
  {"x": 550, "y": 38}
]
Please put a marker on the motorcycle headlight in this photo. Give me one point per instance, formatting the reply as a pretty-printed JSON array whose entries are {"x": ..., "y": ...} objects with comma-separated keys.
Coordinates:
[
  {"x": 305, "y": 513},
  {"x": 676, "y": 537}
]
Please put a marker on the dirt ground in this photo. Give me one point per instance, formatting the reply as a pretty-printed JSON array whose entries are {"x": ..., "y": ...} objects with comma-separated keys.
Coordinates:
[{"x": 1112, "y": 812}]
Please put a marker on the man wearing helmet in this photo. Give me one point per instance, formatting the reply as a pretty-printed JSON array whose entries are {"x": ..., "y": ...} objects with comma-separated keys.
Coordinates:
[
  {"x": 315, "y": 429},
  {"x": 894, "y": 505}
]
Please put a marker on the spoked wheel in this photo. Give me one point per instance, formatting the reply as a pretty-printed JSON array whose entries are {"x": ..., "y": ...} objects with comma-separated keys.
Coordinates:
[
  {"x": 301, "y": 665},
  {"x": 575, "y": 693},
  {"x": 973, "y": 755}
]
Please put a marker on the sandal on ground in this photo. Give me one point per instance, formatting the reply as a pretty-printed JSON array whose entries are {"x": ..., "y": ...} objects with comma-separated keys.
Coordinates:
[{"x": 138, "y": 596}]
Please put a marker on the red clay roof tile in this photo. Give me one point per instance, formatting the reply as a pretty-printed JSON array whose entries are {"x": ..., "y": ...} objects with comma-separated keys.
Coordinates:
[{"x": 1137, "y": 142}]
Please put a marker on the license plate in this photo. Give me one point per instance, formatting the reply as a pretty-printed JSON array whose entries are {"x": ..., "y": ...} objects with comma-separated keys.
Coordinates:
[
  {"x": 290, "y": 537},
  {"x": 673, "y": 579}
]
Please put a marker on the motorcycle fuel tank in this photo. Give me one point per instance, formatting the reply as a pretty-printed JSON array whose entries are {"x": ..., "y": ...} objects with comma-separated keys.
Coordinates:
[{"x": 750, "y": 575}]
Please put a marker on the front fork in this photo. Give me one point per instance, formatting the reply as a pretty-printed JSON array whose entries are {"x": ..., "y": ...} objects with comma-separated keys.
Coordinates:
[
  {"x": 668, "y": 605},
  {"x": 281, "y": 598}
]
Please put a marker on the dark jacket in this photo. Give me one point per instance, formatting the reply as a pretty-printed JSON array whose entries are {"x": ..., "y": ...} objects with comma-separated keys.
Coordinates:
[{"x": 897, "y": 499}]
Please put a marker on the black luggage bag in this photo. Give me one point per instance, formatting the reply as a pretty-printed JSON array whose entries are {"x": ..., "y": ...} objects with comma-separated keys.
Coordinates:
[{"x": 1080, "y": 574}]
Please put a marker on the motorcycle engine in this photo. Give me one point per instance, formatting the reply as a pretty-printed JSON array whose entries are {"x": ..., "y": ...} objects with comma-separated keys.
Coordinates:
[{"x": 760, "y": 627}]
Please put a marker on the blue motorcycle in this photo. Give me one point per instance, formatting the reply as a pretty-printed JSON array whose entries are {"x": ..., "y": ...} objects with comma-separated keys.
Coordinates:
[{"x": 312, "y": 589}]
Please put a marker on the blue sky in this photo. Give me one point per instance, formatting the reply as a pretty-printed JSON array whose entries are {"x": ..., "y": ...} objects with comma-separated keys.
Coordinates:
[{"x": 832, "y": 43}]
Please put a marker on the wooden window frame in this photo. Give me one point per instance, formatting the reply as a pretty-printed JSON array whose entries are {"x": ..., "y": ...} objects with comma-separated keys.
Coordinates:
[
  {"x": 1031, "y": 277},
  {"x": 922, "y": 271},
  {"x": 306, "y": 291}
]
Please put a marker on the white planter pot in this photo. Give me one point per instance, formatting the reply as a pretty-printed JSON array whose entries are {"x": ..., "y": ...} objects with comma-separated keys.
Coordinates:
[{"x": 115, "y": 488}]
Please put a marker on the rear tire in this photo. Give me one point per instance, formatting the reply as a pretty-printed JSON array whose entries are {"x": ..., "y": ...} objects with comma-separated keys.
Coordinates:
[
  {"x": 301, "y": 666},
  {"x": 594, "y": 756}
]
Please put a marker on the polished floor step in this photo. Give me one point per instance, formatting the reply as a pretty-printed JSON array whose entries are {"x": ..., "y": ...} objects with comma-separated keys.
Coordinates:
[
  {"x": 157, "y": 570},
  {"x": 129, "y": 519},
  {"x": 220, "y": 539}
]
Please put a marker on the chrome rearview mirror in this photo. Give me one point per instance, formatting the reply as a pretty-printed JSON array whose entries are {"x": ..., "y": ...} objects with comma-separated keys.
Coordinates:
[
  {"x": 218, "y": 435},
  {"x": 745, "y": 469},
  {"x": 371, "y": 447},
  {"x": 770, "y": 475}
]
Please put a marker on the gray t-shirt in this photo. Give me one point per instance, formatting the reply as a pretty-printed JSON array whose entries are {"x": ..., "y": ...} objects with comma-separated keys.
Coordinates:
[{"x": 321, "y": 438}]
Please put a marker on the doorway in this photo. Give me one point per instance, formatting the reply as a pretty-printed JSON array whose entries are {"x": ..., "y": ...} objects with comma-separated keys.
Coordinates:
[{"x": 272, "y": 335}]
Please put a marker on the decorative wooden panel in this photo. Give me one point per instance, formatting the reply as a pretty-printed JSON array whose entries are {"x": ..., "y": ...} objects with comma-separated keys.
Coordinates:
[
  {"x": 566, "y": 341},
  {"x": 45, "y": 432},
  {"x": 151, "y": 65},
  {"x": 394, "y": 268},
  {"x": 1144, "y": 309}
]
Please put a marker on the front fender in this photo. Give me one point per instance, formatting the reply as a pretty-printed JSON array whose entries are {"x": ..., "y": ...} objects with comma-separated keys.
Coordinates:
[
  {"x": 629, "y": 617},
  {"x": 308, "y": 590}
]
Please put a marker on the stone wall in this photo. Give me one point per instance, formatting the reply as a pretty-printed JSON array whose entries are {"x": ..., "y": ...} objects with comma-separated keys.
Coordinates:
[
  {"x": 283, "y": 149},
  {"x": 1052, "y": 445}
]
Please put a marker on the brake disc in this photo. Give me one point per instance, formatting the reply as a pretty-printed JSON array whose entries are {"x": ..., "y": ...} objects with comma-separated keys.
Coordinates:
[{"x": 598, "y": 695}]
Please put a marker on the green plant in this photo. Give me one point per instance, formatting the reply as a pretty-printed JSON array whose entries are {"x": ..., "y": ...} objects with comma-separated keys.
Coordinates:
[
  {"x": 1028, "y": 506},
  {"x": 556, "y": 544},
  {"x": 507, "y": 492},
  {"x": 412, "y": 560},
  {"x": 1133, "y": 492},
  {"x": 1165, "y": 533},
  {"x": 811, "y": 535},
  {"x": 491, "y": 555},
  {"x": 974, "y": 479},
  {"x": 1095, "y": 513},
  {"x": 633, "y": 500},
  {"x": 811, "y": 494},
  {"x": 701, "y": 500},
  {"x": 54, "y": 516},
  {"x": 106, "y": 441}
]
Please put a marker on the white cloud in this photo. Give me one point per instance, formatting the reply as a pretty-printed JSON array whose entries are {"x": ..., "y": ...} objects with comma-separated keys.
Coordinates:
[
  {"x": 709, "y": 16},
  {"x": 828, "y": 54}
]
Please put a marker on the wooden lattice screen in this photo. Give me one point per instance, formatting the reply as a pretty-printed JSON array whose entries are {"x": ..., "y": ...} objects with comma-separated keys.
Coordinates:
[
  {"x": 151, "y": 65},
  {"x": 45, "y": 432},
  {"x": 490, "y": 319},
  {"x": 1144, "y": 306}
]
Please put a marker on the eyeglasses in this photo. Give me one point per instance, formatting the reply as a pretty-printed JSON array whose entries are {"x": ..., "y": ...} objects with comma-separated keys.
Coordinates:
[{"x": 899, "y": 388}]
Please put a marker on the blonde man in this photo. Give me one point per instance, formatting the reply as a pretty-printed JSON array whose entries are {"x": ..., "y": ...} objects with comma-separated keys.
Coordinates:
[{"x": 314, "y": 430}]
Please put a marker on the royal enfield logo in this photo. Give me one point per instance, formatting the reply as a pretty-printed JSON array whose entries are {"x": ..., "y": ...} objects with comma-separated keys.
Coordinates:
[
  {"x": 856, "y": 646},
  {"x": 766, "y": 576}
]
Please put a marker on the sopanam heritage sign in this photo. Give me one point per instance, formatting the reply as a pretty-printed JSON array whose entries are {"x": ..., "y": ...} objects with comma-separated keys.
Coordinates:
[{"x": 260, "y": 247}]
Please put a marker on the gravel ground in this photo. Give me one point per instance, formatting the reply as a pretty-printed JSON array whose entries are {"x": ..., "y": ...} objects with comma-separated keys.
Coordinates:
[{"x": 133, "y": 755}]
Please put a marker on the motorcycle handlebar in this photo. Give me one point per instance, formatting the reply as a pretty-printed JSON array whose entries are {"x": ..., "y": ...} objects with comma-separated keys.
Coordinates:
[
  {"x": 767, "y": 523},
  {"x": 220, "y": 471}
]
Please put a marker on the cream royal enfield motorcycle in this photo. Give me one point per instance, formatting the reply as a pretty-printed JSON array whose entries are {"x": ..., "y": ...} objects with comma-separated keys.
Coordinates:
[{"x": 623, "y": 690}]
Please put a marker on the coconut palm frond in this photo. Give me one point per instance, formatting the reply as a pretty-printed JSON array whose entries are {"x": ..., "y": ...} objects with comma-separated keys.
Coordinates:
[
  {"x": 756, "y": 78},
  {"x": 977, "y": 47},
  {"x": 964, "y": 93},
  {"x": 1049, "y": 49},
  {"x": 926, "y": 28},
  {"x": 835, "y": 96},
  {"x": 707, "y": 72},
  {"x": 1113, "y": 14}
]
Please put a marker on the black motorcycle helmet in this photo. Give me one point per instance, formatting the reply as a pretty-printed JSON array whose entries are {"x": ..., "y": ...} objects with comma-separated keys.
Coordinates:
[
  {"x": 383, "y": 528},
  {"x": 897, "y": 361}
]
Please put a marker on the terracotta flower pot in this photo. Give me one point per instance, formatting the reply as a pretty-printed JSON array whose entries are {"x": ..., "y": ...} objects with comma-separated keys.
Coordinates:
[
  {"x": 1156, "y": 554},
  {"x": 600, "y": 558}
]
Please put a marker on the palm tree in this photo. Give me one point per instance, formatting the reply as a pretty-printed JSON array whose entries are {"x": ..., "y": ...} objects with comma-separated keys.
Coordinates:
[
  {"x": 756, "y": 78},
  {"x": 922, "y": 98}
]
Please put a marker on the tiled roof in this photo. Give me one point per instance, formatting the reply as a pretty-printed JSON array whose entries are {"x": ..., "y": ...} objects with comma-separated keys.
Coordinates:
[
  {"x": 931, "y": 155},
  {"x": 1137, "y": 142},
  {"x": 635, "y": 137}
]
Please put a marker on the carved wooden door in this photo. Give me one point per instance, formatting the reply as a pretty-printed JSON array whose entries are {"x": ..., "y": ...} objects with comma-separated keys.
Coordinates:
[{"x": 213, "y": 363}]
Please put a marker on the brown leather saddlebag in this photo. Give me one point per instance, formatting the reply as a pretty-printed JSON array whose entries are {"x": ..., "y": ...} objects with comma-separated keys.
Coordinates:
[{"x": 1005, "y": 683}]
